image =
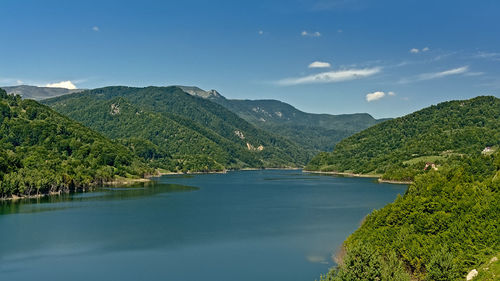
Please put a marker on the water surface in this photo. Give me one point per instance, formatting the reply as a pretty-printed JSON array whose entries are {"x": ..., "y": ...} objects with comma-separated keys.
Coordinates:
[{"x": 250, "y": 225}]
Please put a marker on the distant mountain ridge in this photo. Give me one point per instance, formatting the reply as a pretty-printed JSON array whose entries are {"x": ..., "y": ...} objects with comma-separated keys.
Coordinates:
[
  {"x": 38, "y": 93},
  {"x": 179, "y": 131},
  {"x": 400, "y": 148},
  {"x": 313, "y": 132},
  {"x": 317, "y": 132}
]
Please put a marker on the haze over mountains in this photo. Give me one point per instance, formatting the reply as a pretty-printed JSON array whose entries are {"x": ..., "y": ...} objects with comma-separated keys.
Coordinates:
[{"x": 38, "y": 93}]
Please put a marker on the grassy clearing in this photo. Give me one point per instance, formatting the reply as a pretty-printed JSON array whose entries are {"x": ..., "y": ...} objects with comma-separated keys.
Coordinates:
[
  {"x": 432, "y": 158},
  {"x": 490, "y": 270}
]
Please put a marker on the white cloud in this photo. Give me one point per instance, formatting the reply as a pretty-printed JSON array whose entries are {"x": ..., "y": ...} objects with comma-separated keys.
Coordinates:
[
  {"x": 63, "y": 84},
  {"x": 96, "y": 28},
  {"x": 319, "y": 64},
  {"x": 416, "y": 51},
  {"x": 490, "y": 56},
  {"x": 331, "y": 76},
  {"x": 434, "y": 75},
  {"x": 486, "y": 55},
  {"x": 374, "y": 96},
  {"x": 378, "y": 95},
  {"x": 261, "y": 32},
  {"x": 310, "y": 34},
  {"x": 19, "y": 82},
  {"x": 473, "y": 73}
]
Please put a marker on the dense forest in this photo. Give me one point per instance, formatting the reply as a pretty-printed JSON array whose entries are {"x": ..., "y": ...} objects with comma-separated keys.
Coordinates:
[
  {"x": 313, "y": 132},
  {"x": 42, "y": 151},
  {"x": 400, "y": 149},
  {"x": 176, "y": 131},
  {"x": 446, "y": 224},
  {"x": 448, "y": 221}
]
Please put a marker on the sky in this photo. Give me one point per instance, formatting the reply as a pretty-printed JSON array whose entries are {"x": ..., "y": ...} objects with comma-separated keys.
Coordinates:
[{"x": 386, "y": 58}]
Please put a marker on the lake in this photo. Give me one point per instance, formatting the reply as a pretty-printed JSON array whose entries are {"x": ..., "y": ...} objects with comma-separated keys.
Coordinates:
[{"x": 246, "y": 225}]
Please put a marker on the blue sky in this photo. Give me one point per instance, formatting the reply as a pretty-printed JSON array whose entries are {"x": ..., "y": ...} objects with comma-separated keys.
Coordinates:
[{"x": 387, "y": 58}]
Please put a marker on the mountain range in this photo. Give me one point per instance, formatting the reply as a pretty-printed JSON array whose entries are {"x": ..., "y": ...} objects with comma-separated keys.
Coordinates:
[
  {"x": 316, "y": 132},
  {"x": 312, "y": 132},
  {"x": 181, "y": 131}
]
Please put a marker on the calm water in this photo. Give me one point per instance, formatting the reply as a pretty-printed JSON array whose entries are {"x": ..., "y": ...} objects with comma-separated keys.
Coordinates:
[{"x": 252, "y": 225}]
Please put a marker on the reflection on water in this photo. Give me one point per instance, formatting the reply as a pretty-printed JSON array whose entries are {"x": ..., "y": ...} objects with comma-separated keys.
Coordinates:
[
  {"x": 253, "y": 225},
  {"x": 63, "y": 201}
]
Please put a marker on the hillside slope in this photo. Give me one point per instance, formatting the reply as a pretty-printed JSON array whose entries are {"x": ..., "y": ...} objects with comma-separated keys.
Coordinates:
[
  {"x": 445, "y": 225},
  {"x": 313, "y": 132},
  {"x": 42, "y": 151},
  {"x": 400, "y": 148},
  {"x": 316, "y": 132},
  {"x": 194, "y": 134}
]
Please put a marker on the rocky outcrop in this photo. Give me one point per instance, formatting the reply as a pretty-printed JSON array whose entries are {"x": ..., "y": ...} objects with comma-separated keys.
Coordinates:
[
  {"x": 473, "y": 273},
  {"x": 115, "y": 109},
  {"x": 251, "y": 147},
  {"x": 239, "y": 134}
]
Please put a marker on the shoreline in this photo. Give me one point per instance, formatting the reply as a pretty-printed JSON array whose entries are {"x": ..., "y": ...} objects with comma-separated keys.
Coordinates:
[
  {"x": 14, "y": 198},
  {"x": 354, "y": 175},
  {"x": 148, "y": 178},
  {"x": 394, "y": 181}
]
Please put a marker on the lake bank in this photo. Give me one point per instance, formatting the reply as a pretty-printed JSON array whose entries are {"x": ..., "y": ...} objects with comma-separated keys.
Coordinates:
[
  {"x": 354, "y": 175},
  {"x": 125, "y": 182}
]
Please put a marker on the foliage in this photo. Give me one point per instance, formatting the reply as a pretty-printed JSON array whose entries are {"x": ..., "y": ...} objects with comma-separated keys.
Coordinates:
[
  {"x": 398, "y": 148},
  {"x": 42, "y": 151},
  {"x": 185, "y": 132},
  {"x": 446, "y": 224},
  {"x": 314, "y": 132}
]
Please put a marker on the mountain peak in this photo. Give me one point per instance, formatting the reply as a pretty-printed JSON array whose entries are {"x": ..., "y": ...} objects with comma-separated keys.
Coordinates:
[{"x": 197, "y": 92}]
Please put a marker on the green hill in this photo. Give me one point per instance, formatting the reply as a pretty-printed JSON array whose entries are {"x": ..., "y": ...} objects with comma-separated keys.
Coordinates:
[
  {"x": 445, "y": 225},
  {"x": 315, "y": 132},
  {"x": 399, "y": 149},
  {"x": 42, "y": 151},
  {"x": 177, "y": 130}
]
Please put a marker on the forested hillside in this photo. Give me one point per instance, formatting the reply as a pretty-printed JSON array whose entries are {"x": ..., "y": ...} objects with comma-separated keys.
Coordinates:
[
  {"x": 448, "y": 221},
  {"x": 42, "y": 151},
  {"x": 315, "y": 132},
  {"x": 446, "y": 224},
  {"x": 436, "y": 136},
  {"x": 177, "y": 130},
  {"x": 312, "y": 132}
]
